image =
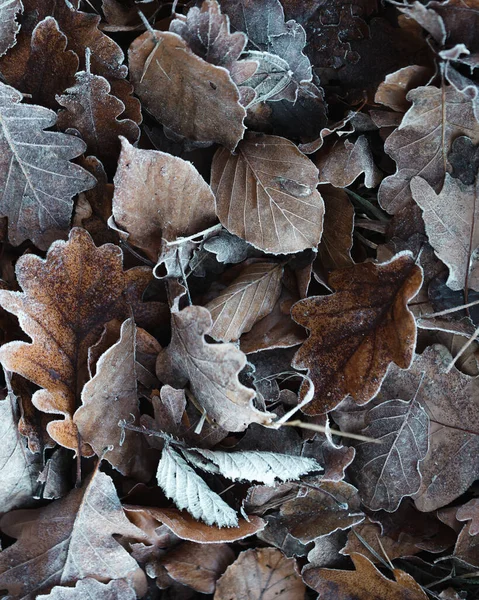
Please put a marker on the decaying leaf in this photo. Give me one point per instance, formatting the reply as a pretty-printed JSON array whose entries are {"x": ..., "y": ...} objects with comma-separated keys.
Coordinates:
[
  {"x": 249, "y": 298},
  {"x": 365, "y": 583},
  {"x": 37, "y": 179},
  {"x": 451, "y": 219},
  {"x": 9, "y": 26},
  {"x": 159, "y": 196},
  {"x": 171, "y": 81},
  {"x": 211, "y": 370},
  {"x": 266, "y": 194},
  {"x": 358, "y": 331},
  {"x": 86, "y": 521},
  {"x": 76, "y": 290},
  {"x": 386, "y": 472},
  {"x": 263, "y": 573}
]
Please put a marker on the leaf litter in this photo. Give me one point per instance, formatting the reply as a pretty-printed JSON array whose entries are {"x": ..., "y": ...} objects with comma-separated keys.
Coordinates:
[{"x": 239, "y": 277}]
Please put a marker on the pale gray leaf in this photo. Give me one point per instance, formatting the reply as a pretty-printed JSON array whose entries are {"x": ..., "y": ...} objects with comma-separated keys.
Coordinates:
[
  {"x": 227, "y": 248},
  {"x": 91, "y": 589},
  {"x": 272, "y": 79},
  {"x": 9, "y": 26},
  {"x": 188, "y": 491}
]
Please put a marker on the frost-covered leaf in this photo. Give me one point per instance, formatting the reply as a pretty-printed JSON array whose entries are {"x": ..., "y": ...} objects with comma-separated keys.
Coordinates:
[
  {"x": 271, "y": 79},
  {"x": 91, "y": 589},
  {"x": 188, "y": 491},
  {"x": 9, "y": 26},
  {"x": 37, "y": 179}
]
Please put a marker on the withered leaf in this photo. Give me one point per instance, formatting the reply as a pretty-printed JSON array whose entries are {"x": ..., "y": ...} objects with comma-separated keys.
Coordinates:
[
  {"x": 109, "y": 397},
  {"x": 92, "y": 111},
  {"x": 464, "y": 160},
  {"x": 386, "y": 472},
  {"x": 173, "y": 84},
  {"x": 159, "y": 196},
  {"x": 451, "y": 219},
  {"x": 46, "y": 556},
  {"x": 336, "y": 242},
  {"x": 263, "y": 573},
  {"x": 19, "y": 467},
  {"x": 266, "y": 194},
  {"x": 365, "y": 583},
  {"x": 91, "y": 589},
  {"x": 9, "y": 26},
  {"x": 393, "y": 91},
  {"x": 421, "y": 143},
  {"x": 211, "y": 370},
  {"x": 249, "y": 298},
  {"x": 67, "y": 299},
  {"x": 207, "y": 33},
  {"x": 37, "y": 179},
  {"x": 470, "y": 512},
  {"x": 358, "y": 331}
]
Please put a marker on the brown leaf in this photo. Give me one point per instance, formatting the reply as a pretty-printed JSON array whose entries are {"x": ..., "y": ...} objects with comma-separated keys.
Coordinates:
[
  {"x": 393, "y": 90},
  {"x": 266, "y": 194},
  {"x": 470, "y": 512},
  {"x": 264, "y": 573},
  {"x": 75, "y": 290},
  {"x": 159, "y": 196},
  {"x": 109, "y": 397},
  {"x": 190, "y": 565},
  {"x": 365, "y": 583},
  {"x": 422, "y": 142},
  {"x": 93, "y": 112},
  {"x": 367, "y": 318},
  {"x": 466, "y": 549},
  {"x": 85, "y": 522},
  {"x": 451, "y": 219},
  {"x": 211, "y": 370},
  {"x": 207, "y": 33},
  {"x": 173, "y": 83},
  {"x": 344, "y": 161},
  {"x": 249, "y": 298},
  {"x": 336, "y": 242},
  {"x": 37, "y": 180},
  {"x": 91, "y": 589},
  {"x": 9, "y": 26},
  {"x": 188, "y": 528}
]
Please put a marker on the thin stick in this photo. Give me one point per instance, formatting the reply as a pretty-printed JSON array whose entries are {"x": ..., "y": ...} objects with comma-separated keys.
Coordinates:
[
  {"x": 321, "y": 429},
  {"x": 191, "y": 238},
  {"x": 448, "y": 311},
  {"x": 463, "y": 349}
]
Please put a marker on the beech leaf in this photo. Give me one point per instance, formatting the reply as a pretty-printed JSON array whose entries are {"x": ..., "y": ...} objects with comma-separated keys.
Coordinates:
[
  {"x": 358, "y": 331},
  {"x": 266, "y": 194},
  {"x": 38, "y": 181}
]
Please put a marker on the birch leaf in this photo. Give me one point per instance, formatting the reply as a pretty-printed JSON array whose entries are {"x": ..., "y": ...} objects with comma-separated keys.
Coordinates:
[
  {"x": 249, "y": 298},
  {"x": 9, "y": 26},
  {"x": 37, "y": 179},
  {"x": 188, "y": 491}
]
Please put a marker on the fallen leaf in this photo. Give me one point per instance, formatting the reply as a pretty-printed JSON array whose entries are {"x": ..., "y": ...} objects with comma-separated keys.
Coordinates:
[
  {"x": 9, "y": 26},
  {"x": 37, "y": 186},
  {"x": 386, "y": 472},
  {"x": 89, "y": 589},
  {"x": 86, "y": 521},
  {"x": 470, "y": 512},
  {"x": 249, "y": 298},
  {"x": 393, "y": 90},
  {"x": 421, "y": 143},
  {"x": 368, "y": 319},
  {"x": 76, "y": 290},
  {"x": 334, "y": 250},
  {"x": 264, "y": 573},
  {"x": 171, "y": 81},
  {"x": 450, "y": 219},
  {"x": 266, "y": 194},
  {"x": 211, "y": 370},
  {"x": 365, "y": 583},
  {"x": 92, "y": 111},
  {"x": 464, "y": 160},
  {"x": 159, "y": 196}
]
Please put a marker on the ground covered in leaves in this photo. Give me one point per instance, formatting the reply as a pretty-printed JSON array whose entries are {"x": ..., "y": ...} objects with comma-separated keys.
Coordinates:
[{"x": 239, "y": 299}]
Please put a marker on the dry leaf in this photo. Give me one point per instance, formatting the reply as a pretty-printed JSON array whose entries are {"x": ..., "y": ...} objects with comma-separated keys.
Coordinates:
[
  {"x": 358, "y": 331},
  {"x": 159, "y": 196},
  {"x": 9, "y": 26},
  {"x": 75, "y": 290},
  {"x": 336, "y": 242},
  {"x": 37, "y": 180},
  {"x": 262, "y": 574},
  {"x": 91, "y": 589},
  {"x": 393, "y": 90},
  {"x": 249, "y": 298},
  {"x": 470, "y": 512},
  {"x": 266, "y": 194},
  {"x": 86, "y": 520},
  {"x": 173, "y": 83},
  {"x": 451, "y": 218},
  {"x": 211, "y": 370}
]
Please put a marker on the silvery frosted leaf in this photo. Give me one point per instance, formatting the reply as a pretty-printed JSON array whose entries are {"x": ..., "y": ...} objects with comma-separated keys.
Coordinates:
[
  {"x": 8, "y": 24},
  {"x": 273, "y": 79}
]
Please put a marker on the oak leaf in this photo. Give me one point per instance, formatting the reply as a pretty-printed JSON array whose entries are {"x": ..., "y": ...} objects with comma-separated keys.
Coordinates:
[
  {"x": 470, "y": 512},
  {"x": 263, "y": 573},
  {"x": 266, "y": 194},
  {"x": 159, "y": 196},
  {"x": 365, "y": 583},
  {"x": 368, "y": 319},
  {"x": 451, "y": 219},
  {"x": 211, "y": 370},
  {"x": 46, "y": 556},
  {"x": 37, "y": 181},
  {"x": 67, "y": 299},
  {"x": 421, "y": 144},
  {"x": 9, "y": 27},
  {"x": 171, "y": 81},
  {"x": 91, "y": 589}
]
